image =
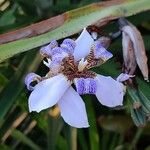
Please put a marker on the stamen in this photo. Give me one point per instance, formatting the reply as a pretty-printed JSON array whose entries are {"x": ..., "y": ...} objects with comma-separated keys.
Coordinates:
[{"x": 82, "y": 64}]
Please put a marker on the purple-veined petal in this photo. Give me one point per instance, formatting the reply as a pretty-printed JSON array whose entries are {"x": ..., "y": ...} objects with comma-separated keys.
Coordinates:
[
  {"x": 73, "y": 109},
  {"x": 83, "y": 45},
  {"x": 68, "y": 46},
  {"x": 55, "y": 64},
  {"x": 123, "y": 77},
  {"x": 85, "y": 86},
  {"x": 58, "y": 57},
  {"x": 48, "y": 92},
  {"x": 101, "y": 53},
  {"x": 46, "y": 50},
  {"x": 109, "y": 91},
  {"x": 29, "y": 79},
  {"x": 56, "y": 50}
]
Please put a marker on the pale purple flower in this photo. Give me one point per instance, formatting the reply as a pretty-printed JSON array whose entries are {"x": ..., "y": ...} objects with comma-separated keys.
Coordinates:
[{"x": 68, "y": 64}]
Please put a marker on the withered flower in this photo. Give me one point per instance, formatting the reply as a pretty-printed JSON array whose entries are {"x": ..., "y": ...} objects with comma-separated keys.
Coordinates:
[{"x": 133, "y": 49}]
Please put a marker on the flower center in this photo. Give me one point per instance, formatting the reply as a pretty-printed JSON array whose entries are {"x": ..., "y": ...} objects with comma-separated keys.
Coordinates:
[{"x": 72, "y": 69}]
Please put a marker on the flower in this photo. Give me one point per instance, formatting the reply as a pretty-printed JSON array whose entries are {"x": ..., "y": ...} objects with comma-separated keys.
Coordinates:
[
  {"x": 133, "y": 49},
  {"x": 68, "y": 64}
]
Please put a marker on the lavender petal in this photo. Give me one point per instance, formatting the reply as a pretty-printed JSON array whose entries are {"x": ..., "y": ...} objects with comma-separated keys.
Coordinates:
[
  {"x": 101, "y": 53},
  {"x": 29, "y": 79},
  {"x": 123, "y": 77},
  {"x": 68, "y": 45},
  {"x": 85, "y": 86},
  {"x": 72, "y": 109},
  {"x": 46, "y": 50}
]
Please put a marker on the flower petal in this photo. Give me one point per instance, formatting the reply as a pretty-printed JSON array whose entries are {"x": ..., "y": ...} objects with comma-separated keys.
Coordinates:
[
  {"x": 48, "y": 92},
  {"x": 109, "y": 91},
  {"x": 101, "y": 53},
  {"x": 31, "y": 77},
  {"x": 123, "y": 77},
  {"x": 85, "y": 86},
  {"x": 73, "y": 109},
  {"x": 83, "y": 45},
  {"x": 68, "y": 46},
  {"x": 46, "y": 50}
]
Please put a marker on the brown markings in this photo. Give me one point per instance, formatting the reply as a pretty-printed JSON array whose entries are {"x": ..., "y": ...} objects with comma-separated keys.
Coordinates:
[
  {"x": 55, "y": 22},
  {"x": 34, "y": 29},
  {"x": 70, "y": 70}
]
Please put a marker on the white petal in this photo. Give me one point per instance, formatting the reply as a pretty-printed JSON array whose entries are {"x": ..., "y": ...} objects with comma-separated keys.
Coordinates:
[
  {"x": 123, "y": 77},
  {"x": 73, "y": 110},
  {"x": 109, "y": 91},
  {"x": 94, "y": 35},
  {"x": 48, "y": 92},
  {"x": 83, "y": 45}
]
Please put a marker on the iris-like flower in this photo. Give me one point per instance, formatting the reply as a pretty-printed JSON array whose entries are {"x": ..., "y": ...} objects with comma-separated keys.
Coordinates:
[{"x": 68, "y": 64}]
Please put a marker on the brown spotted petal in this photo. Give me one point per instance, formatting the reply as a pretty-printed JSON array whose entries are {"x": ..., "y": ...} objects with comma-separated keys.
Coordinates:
[
  {"x": 139, "y": 48},
  {"x": 128, "y": 54}
]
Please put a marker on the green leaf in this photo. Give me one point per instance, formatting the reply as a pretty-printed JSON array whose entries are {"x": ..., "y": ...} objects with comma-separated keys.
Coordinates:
[
  {"x": 5, "y": 147},
  {"x": 61, "y": 143},
  {"x": 82, "y": 140},
  {"x": 24, "y": 139},
  {"x": 138, "y": 117},
  {"x": 76, "y": 20},
  {"x": 93, "y": 132},
  {"x": 14, "y": 87},
  {"x": 7, "y": 18},
  {"x": 117, "y": 123},
  {"x": 55, "y": 125},
  {"x": 3, "y": 80}
]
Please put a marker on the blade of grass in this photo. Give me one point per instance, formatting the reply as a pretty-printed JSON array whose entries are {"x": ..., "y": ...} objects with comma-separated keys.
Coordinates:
[
  {"x": 55, "y": 125},
  {"x": 93, "y": 132},
  {"x": 11, "y": 91},
  {"x": 24, "y": 139}
]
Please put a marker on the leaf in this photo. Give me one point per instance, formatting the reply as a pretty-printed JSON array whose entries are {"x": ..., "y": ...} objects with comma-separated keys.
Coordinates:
[
  {"x": 71, "y": 23},
  {"x": 14, "y": 87},
  {"x": 24, "y": 139},
  {"x": 82, "y": 140},
  {"x": 55, "y": 125},
  {"x": 3, "y": 80},
  {"x": 7, "y": 125},
  {"x": 61, "y": 143},
  {"x": 5, "y": 147},
  {"x": 7, "y": 18},
  {"x": 117, "y": 123},
  {"x": 138, "y": 117},
  {"x": 93, "y": 132}
]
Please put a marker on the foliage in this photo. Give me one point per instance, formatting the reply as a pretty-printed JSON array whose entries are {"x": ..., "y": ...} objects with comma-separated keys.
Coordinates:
[{"x": 109, "y": 128}]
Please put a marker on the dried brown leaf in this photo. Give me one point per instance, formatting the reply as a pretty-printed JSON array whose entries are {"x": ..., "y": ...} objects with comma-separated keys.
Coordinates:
[
  {"x": 139, "y": 48},
  {"x": 128, "y": 54}
]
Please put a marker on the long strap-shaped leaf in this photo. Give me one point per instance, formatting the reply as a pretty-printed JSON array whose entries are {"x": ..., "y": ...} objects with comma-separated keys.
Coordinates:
[{"x": 74, "y": 21}]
